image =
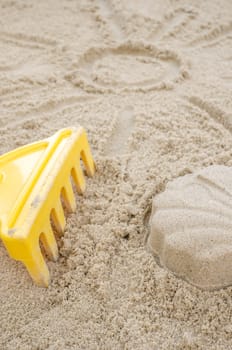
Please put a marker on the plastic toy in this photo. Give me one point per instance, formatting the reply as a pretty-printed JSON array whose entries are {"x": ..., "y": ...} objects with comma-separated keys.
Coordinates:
[{"x": 35, "y": 180}]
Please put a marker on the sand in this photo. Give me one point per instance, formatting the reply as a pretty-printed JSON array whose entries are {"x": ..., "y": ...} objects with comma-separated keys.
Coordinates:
[
  {"x": 190, "y": 227},
  {"x": 151, "y": 83}
]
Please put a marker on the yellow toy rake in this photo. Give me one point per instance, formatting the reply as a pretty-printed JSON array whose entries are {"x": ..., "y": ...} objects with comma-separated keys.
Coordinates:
[{"x": 33, "y": 179}]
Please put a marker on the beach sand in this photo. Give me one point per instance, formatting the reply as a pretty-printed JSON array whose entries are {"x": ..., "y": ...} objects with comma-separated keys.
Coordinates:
[{"x": 151, "y": 83}]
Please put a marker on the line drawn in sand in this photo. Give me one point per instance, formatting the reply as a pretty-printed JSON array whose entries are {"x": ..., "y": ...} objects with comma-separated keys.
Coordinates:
[
  {"x": 29, "y": 41},
  {"x": 24, "y": 65},
  {"x": 213, "y": 36},
  {"x": 116, "y": 23},
  {"x": 214, "y": 112},
  {"x": 107, "y": 16},
  {"x": 44, "y": 109},
  {"x": 123, "y": 130},
  {"x": 24, "y": 68},
  {"x": 131, "y": 66},
  {"x": 173, "y": 23},
  {"x": 32, "y": 70}
]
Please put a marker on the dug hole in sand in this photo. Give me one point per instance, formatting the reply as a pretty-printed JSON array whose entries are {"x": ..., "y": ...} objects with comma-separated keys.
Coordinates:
[{"x": 151, "y": 84}]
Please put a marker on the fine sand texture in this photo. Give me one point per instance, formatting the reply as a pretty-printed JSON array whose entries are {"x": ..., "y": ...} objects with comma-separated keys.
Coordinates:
[{"x": 151, "y": 82}]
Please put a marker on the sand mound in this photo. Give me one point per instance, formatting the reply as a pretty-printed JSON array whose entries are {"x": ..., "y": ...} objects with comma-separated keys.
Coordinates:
[{"x": 191, "y": 227}]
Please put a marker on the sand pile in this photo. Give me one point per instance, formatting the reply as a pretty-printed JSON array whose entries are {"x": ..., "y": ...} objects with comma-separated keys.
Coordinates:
[{"x": 151, "y": 82}]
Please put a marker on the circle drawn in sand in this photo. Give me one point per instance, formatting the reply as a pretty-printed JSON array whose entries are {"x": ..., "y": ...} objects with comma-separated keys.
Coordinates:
[
  {"x": 191, "y": 227},
  {"x": 127, "y": 67}
]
